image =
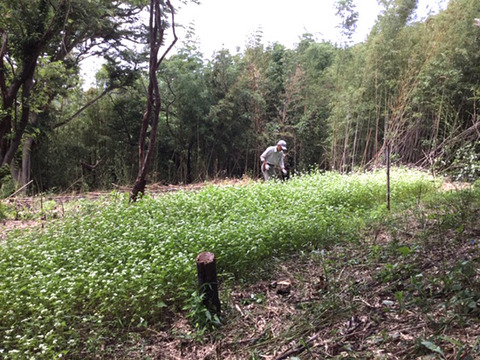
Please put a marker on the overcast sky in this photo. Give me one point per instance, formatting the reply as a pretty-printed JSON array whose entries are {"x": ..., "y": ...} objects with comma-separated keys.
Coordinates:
[{"x": 229, "y": 23}]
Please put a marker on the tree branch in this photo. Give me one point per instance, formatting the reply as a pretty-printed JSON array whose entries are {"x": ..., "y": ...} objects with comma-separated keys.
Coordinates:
[
  {"x": 175, "y": 38},
  {"x": 84, "y": 107}
]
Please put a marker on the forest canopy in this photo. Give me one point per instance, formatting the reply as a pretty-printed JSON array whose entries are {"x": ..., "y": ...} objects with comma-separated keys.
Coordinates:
[{"x": 411, "y": 87}]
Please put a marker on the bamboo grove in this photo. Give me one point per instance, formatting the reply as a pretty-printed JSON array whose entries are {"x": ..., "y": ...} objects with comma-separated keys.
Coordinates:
[{"x": 412, "y": 86}]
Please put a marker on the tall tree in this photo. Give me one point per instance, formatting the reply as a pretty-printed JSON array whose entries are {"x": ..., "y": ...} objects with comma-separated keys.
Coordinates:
[
  {"x": 158, "y": 25},
  {"x": 42, "y": 31}
]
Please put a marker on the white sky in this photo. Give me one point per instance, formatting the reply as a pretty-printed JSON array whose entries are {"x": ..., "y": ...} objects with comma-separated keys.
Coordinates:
[{"x": 229, "y": 24}]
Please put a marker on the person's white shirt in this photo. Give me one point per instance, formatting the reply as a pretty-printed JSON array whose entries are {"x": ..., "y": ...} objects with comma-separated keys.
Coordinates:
[{"x": 273, "y": 157}]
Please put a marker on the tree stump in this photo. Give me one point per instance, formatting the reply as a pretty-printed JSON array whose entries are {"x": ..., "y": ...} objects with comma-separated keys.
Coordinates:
[{"x": 207, "y": 281}]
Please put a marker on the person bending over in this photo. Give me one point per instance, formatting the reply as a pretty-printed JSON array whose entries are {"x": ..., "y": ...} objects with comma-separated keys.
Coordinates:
[{"x": 273, "y": 157}]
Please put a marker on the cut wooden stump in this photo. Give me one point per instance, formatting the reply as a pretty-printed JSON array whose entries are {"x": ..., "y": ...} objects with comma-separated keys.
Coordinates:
[{"x": 207, "y": 281}]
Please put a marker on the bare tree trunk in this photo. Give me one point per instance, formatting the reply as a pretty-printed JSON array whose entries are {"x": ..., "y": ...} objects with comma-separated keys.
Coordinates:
[
  {"x": 26, "y": 163},
  {"x": 150, "y": 118},
  {"x": 387, "y": 160},
  {"x": 367, "y": 144},
  {"x": 345, "y": 145},
  {"x": 188, "y": 177},
  {"x": 19, "y": 131},
  {"x": 354, "y": 145},
  {"x": 247, "y": 151},
  {"x": 334, "y": 145}
]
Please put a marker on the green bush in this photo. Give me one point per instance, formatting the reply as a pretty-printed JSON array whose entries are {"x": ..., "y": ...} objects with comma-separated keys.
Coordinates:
[
  {"x": 3, "y": 211},
  {"x": 7, "y": 187}
]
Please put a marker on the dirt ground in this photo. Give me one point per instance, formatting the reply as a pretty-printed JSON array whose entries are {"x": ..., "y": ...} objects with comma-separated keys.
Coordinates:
[{"x": 345, "y": 315}]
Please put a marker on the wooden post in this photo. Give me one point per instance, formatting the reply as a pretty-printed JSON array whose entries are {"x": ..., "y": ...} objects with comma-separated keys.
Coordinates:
[{"x": 207, "y": 281}]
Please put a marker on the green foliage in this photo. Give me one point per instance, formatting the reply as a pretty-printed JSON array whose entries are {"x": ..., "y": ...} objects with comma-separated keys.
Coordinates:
[
  {"x": 116, "y": 265},
  {"x": 7, "y": 186},
  {"x": 409, "y": 286},
  {"x": 465, "y": 165},
  {"x": 201, "y": 317},
  {"x": 4, "y": 211},
  {"x": 4, "y": 171}
]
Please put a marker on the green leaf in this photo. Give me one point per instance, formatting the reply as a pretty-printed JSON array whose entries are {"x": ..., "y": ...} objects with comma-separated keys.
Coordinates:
[
  {"x": 404, "y": 250},
  {"x": 161, "y": 304},
  {"x": 431, "y": 346},
  {"x": 453, "y": 341}
]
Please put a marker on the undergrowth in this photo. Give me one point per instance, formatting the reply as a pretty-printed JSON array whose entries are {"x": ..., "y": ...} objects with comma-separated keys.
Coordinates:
[
  {"x": 407, "y": 288},
  {"x": 117, "y": 267}
]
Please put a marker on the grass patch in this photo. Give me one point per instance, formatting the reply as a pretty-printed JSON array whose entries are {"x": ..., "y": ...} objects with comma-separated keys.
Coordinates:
[{"x": 117, "y": 267}]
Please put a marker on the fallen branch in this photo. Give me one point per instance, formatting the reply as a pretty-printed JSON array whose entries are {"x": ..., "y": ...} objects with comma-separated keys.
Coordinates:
[{"x": 23, "y": 187}]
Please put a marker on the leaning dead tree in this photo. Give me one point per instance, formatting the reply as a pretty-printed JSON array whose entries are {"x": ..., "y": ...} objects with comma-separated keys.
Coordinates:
[{"x": 157, "y": 31}]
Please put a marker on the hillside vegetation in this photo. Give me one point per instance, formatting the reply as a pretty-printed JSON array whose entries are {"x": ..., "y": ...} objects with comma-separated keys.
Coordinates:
[{"x": 113, "y": 268}]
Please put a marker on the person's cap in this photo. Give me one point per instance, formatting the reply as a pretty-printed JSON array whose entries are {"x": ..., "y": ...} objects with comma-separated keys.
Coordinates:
[{"x": 282, "y": 144}]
